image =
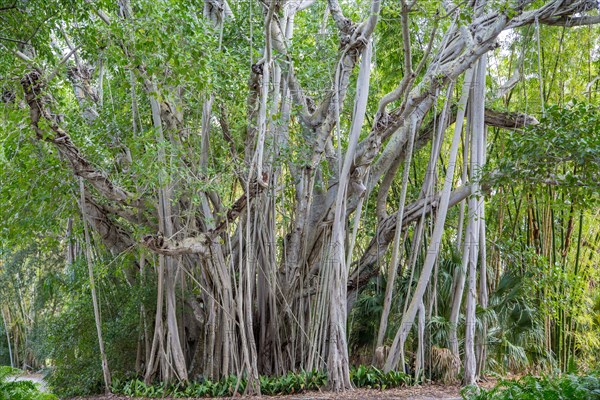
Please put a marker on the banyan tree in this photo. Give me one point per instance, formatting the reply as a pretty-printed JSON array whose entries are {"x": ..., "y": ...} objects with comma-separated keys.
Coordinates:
[{"x": 243, "y": 155}]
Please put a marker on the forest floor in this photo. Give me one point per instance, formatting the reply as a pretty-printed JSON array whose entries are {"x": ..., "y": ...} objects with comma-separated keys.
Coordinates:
[
  {"x": 422, "y": 392},
  {"x": 425, "y": 392}
]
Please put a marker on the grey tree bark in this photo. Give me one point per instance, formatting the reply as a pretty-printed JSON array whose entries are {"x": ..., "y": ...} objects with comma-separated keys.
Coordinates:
[{"x": 90, "y": 264}]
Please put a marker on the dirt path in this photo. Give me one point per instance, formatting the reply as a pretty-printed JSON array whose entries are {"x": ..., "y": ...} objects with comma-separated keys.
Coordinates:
[
  {"x": 427, "y": 392},
  {"x": 36, "y": 378}
]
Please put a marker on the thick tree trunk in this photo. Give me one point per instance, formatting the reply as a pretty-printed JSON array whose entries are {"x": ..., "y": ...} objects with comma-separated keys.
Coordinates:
[
  {"x": 477, "y": 140},
  {"x": 338, "y": 366}
]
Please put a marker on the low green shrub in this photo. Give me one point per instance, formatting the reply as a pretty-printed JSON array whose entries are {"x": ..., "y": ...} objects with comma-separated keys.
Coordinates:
[
  {"x": 551, "y": 387},
  {"x": 20, "y": 390},
  {"x": 292, "y": 383},
  {"x": 363, "y": 376},
  {"x": 371, "y": 377}
]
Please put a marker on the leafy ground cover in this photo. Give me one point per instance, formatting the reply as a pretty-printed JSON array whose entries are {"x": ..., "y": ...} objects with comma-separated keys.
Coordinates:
[
  {"x": 11, "y": 389},
  {"x": 374, "y": 386},
  {"x": 362, "y": 377},
  {"x": 550, "y": 387},
  {"x": 424, "y": 392}
]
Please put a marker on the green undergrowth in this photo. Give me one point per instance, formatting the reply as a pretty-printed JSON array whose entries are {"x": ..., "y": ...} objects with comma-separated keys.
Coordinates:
[
  {"x": 550, "y": 387},
  {"x": 19, "y": 390},
  {"x": 363, "y": 376}
]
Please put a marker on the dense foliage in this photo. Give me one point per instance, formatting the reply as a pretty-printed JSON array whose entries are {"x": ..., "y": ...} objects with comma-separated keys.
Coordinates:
[{"x": 550, "y": 387}]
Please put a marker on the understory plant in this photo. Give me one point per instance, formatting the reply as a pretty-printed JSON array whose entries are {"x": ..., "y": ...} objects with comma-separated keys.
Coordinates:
[
  {"x": 362, "y": 376},
  {"x": 548, "y": 387},
  {"x": 19, "y": 390}
]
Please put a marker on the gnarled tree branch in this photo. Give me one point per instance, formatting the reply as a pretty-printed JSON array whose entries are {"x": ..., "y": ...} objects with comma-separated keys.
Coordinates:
[
  {"x": 33, "y": 86},
  {"x": 192, "y": 245}
]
